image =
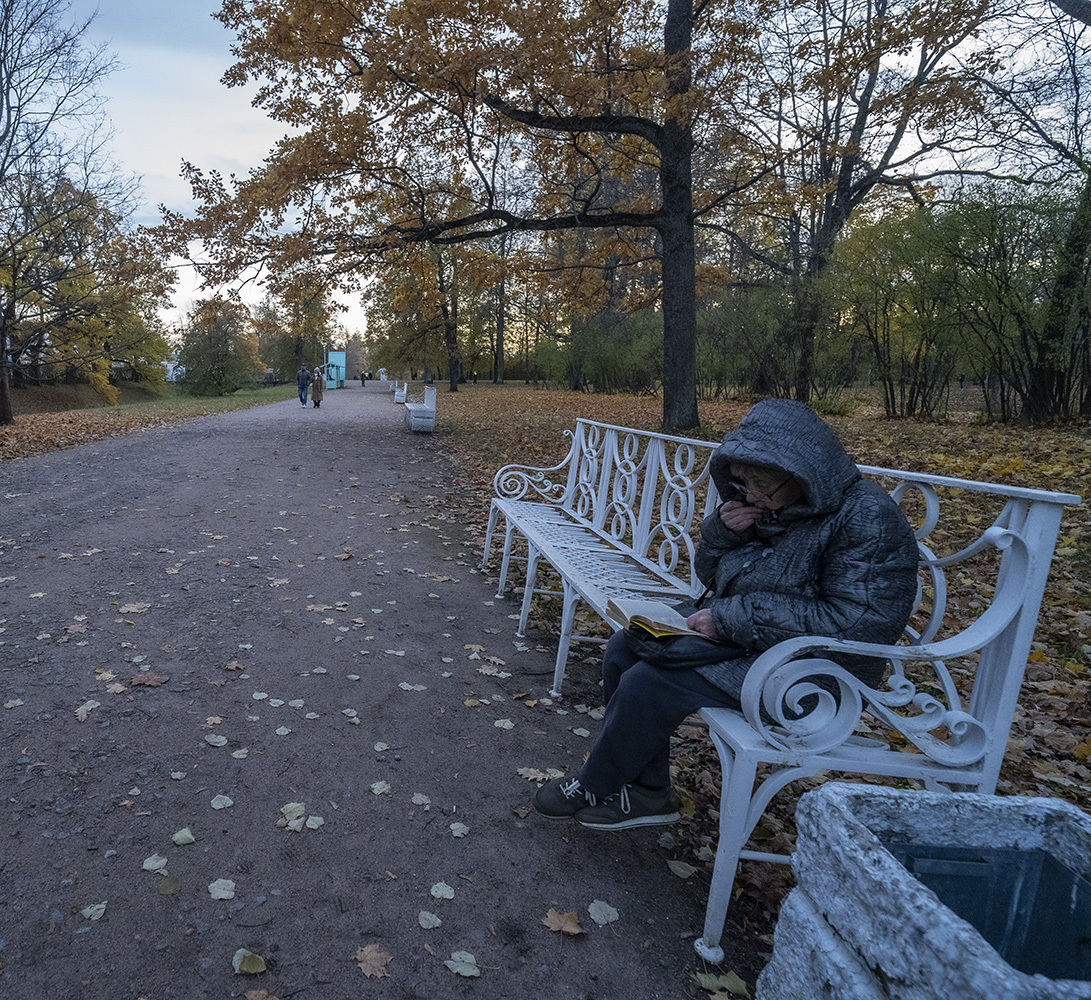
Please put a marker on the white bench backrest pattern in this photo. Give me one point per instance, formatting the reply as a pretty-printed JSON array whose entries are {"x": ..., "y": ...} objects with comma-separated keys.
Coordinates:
[{"x": 648, "y": 492}]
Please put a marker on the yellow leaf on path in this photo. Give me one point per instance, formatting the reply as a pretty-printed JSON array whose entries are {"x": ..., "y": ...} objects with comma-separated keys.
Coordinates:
[
  {"x": 462, "y": 963},
  {"x": 245, "y": 962},
  {"x": 373, "y": 961},
  {"x": 134, "y": 609},
  {"x": 680, "y": 868},
  {"x": 532, "y": 774},
  {"x": 155, "y": 863},
  {"x": 85, "y": 709},
  {"x": 566, "y": 923},
  {"x": 602, "y": 912},
  {"x": 95, "y": 911},
  {"x": 728, "y": 981},
  {"x": 222, "y": 888}
]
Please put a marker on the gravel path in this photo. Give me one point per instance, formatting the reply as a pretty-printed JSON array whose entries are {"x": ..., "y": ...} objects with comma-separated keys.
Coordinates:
[{"x": 280, "y": 606}]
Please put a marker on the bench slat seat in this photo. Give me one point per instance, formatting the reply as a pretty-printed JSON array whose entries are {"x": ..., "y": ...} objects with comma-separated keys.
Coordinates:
[
  {"x": 591, "y": 567},
  {"x": 619, "y": 491}
]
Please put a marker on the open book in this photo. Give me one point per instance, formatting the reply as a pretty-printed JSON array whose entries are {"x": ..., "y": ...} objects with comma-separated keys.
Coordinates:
[{"x": 652, "y": 616}]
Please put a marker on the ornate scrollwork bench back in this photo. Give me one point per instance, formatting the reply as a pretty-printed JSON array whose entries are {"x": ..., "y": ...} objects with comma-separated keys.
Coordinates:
[{"x": 618, "y": 516}]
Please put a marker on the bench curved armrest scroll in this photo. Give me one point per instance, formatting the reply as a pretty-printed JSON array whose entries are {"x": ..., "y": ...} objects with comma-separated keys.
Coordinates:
[
  {"x": 515, "y": 482},
  {"x": 801, "y": 700}
]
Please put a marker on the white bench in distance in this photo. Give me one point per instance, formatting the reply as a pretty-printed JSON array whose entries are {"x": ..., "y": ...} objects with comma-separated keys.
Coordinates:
[
  {"x": 400, "y": 391},
  {"x": 943, "y": 714},
  {"x": 421, "y": 416}
]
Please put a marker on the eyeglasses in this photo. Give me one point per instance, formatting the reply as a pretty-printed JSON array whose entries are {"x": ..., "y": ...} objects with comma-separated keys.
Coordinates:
[{"x": 753, "y": 494}]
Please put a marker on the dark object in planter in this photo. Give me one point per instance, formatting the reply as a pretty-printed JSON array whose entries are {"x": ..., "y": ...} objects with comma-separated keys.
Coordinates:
[{"x": 1034, "y": 910}]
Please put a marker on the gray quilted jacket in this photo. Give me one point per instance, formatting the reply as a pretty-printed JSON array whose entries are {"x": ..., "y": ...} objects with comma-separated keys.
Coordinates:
[{"x": 840, "y": 562}]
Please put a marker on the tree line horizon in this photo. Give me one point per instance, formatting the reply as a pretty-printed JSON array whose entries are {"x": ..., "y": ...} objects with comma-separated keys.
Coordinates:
[{"x": 683, "y": 197}]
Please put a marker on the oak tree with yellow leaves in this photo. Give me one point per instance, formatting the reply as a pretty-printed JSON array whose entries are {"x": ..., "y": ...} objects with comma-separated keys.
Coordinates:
[{"x": 614, "y": 130}]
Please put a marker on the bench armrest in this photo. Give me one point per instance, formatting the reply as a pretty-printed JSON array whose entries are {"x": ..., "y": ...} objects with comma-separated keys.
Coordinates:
[
  {"x": 795, "y": 673},
  {"x": 515, "y": 482}
]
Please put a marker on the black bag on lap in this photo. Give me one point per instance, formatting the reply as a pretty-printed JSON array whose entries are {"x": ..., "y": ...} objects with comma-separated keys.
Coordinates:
[{"x": 679, "y": 652}]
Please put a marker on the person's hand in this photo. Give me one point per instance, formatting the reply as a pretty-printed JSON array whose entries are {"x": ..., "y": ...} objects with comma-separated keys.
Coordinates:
[
  {"x": 738, "y": 516},
  {"x": 701, "y": 621}
]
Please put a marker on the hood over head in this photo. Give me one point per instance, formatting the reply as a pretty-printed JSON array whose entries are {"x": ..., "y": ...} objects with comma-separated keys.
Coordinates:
[{"x": 787, "y": 435}]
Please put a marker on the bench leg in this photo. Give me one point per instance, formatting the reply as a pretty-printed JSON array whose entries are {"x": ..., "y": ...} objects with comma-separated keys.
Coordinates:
[
  {"x": 568, "y": 618},
  {"x": 533, "y": 556},
  {"x": 509, "y": 530},
  {"x": 741, "y": 806},
  {"x": 494, "y": 513}
]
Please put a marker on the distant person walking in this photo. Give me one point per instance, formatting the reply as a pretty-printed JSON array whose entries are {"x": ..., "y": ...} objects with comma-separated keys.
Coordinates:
[
  {"x": 318, "y": 387},
  {"x": 302, "y": 381}
]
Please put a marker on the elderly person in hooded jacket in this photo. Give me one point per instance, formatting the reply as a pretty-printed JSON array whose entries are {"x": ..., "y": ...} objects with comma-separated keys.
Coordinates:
[{"x": 801, "y": 545}]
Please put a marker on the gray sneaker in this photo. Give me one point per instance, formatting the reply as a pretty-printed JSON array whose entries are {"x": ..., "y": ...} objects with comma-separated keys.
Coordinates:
[
  {"x": 632, "y": 806},
  {"x": 562, "y": 798}
]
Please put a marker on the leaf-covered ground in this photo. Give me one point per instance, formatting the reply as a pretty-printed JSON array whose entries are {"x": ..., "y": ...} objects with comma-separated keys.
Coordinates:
[{"x": 42, "y": 426}]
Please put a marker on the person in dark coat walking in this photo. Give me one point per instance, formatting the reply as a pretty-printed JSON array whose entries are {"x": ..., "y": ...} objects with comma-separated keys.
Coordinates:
[
  {"x": 302, "y": 381},
  {"x": 801, "y": 545}
]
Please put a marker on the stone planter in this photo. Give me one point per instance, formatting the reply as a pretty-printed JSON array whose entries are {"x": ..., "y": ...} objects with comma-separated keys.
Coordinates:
[{"x": 860, "y": 925}]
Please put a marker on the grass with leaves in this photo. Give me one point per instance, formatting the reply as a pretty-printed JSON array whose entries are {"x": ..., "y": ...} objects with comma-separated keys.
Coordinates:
[
  {"x": 47, "y": 424},
  {"x": 489, "y": 426}
]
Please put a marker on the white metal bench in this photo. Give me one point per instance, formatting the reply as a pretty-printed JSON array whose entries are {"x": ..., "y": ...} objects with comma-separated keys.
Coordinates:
[
  {"x": 400, "y": 391},
  {"x": 421, "y": 416},
  {"x": 615, "y": 519},
  {"x": 943, "y": 715}
]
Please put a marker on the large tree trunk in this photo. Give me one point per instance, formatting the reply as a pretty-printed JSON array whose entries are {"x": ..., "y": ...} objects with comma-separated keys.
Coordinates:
[
  {"x": 676, "y": 229},
  {"x": 7, "y": 415},
  {"x": 449, "y": 311},
  {"x": 501, "y": 311}
]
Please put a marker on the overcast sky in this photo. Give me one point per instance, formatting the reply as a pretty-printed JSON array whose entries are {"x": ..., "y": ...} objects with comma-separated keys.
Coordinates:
[{"x": 167, "y": 103}]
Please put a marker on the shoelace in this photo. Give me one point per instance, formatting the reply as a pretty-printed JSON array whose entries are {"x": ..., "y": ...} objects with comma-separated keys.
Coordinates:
[
  {"x": 572, "y": 789},
  {"x": 623, "y": 799}
]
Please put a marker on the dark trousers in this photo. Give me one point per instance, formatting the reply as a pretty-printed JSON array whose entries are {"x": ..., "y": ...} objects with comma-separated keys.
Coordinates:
[{"x": 644, "y": 706}]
